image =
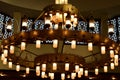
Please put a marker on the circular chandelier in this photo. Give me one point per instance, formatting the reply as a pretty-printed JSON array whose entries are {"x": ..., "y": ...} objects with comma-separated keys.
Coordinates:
[{"x": 60, "y": 24}]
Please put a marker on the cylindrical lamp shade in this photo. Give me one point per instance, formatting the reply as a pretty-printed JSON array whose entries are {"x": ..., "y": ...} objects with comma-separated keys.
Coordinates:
[
  {"x": 5, "y": 61},
  {"x": 12, "y": 48},
  {"x": 103, "y": 50},
  {"x": 63, "y": 76},
  {"x": 2, "y": 57},
  {"x": 44, "y": 67},
  {"x": 79, "y": 74},
  {"x": 27, "y": 70},
  {"x": 105, "y": 69},
  {"x": 55, "y": 43},
  {"x": 86, "y": 73},
  {"x": 54, "y": 66},
  {"x": 112, "y": 53},
  {"x": 17, "y": 67},
  {"x": 37, "y": 70},
  {"x": 116, "y": 59},
  {"x": 90, "y": 46},
  {"x": 110, "y": 28},
  {"x": 81, "y": 70},
  {"x": 51, "y": 76},
  {"x": 66, "y": 66},
  {"x": 38, "y": 43},
  {"x": 96, "y": 71},
  {"x": 112, "y": 66},
  {"x": 73, "y": 44},
  {"x": 5, "y": 52},
  {"x": 77, "y": 68},
  {"x": 73, "y": 75},
  {"x": 91, "y": 24},
  {"x": 43, "y": 74},
  {"x": 10, "y": 64},
  {"x": 23, "y": 45}
]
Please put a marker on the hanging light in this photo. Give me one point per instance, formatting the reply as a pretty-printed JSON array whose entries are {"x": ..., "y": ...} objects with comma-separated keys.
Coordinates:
[
  {"x": 47, "y": 21},
  {"x": 10, "y": 64},
  {"x": 112, "y": 66},
  {"x": 79, "y": 74},
  {"x": 73, "y": 44},
  {"x": 51, "y": 76},
  {"x": 38, "y": 43},
  {"x": 73, "y": 75},
  {"x": 24, "y": 23},
  {"x": 103, "y": 50},
  {"x": 116, "y": 59},
  {"x": 17, "y": 67},
  {"x": 112, "y": 53},
  {"x": 9, "y": 25},
  {"x": 12, "y": 49},
  {"x": 62, "y": 76},
  {"x": 54, "y": 66},
  {"x": 90, "y": 46},
  {"x": 81, "y": 71},
  {"x": 43, "y": 74},
  {"x": 43, "y": 67},
  {"x": 86, "y": 72},
  {"x": 23, "y": 45},
  {"x": 105, "y": 68},
  {"x": 77, "y": 68},
  {"x": 96, "y": 71},
  {"x": 37, "y": 70},
  {"x": 66, "y": 66},
  {"x": 2, "y": 57},
  {"x": 5, "y": 52},
  {"x": 27, "y": 70},
  {"x": 110, "y": 28},
  {"x": 92, "y": 23},
  {"x": 55, "y": 43},
  {"x": 5, "y": 61}
]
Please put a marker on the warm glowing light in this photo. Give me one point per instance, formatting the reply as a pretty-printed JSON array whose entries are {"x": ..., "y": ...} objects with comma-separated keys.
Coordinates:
[
  {"x": 110, "y": 28},
  {"x": 103, "y": 50},
  {"x": 27, "y": 70},
  {"x": 90, "y": 46},
  {"x": 43, "y": 67},
  {"x": 12, "y": 49},
  {"x": 23, "y": 45},
  {"x": 81, "y": 71},
  {"x": 37, "y": 70},
  {"x": 43, "y": 74},
  {"x": 86, "y": 72},
  {"x": 10, "y": 64},
  {"x": 73, "y": 75},
  {"x": 96, "y": 71},
  {"x": 73, "y": 44},
  {"x": 91, "y": 23},
  {"x": 112, "y": 66},
  {"x": 51, "y": 76},
  {"x": 2, "y": 57},
  {"x": 17, "y": 67},
  {"x": 54, "y": 66},
  {"x": 105, "y": 69},
  {"x": 111, "y": 53},
  {"x": 38, "y": 43},
  {"x": 79, "y": 74},
  {"x": 77, "y": 68},
  {"x": 24, "y": 23},
  {"x": 9, "y": 27},
  {"x": 66, "y": 66},
  {"x": 5, "y": 52},
  {"x": 5, "y": 61},
  {"x": 55, "y": 43},
  {"x": 116, "y": 59},
  {"x": 63, "y": 76}
]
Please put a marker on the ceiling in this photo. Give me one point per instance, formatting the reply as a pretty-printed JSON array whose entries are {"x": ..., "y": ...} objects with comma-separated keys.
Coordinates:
[{"x": 94, "y": 7}]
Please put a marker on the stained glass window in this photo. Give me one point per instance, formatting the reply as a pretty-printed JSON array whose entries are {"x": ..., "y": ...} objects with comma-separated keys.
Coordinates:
[{"x": 118, "y": 28}]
